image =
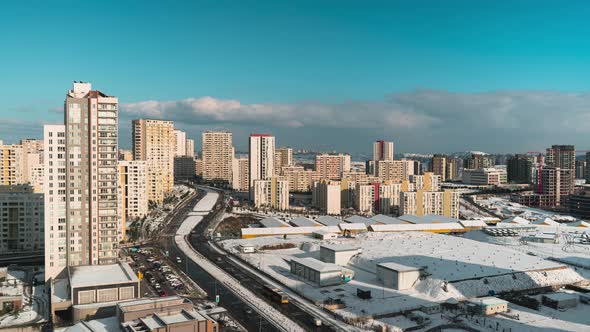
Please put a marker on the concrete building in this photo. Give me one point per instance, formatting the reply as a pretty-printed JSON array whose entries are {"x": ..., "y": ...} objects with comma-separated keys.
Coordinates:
[
  {"x": 397, "y": 276},
  {"x": 377, "y": 197},
  {"x": 557, "y": 183},
  {"x": 190, "y": 147},
  {"x": 82, "y": 225},
  {"x": 125, "y": 155},
  {"x": 389, "y": 170},
  {"x": 32, "y": 163},
  {"x": 331, "y": 167},
  {"x": 476, "y": 161},
  {"x": 272, "y": 193},
  {"x": 218, "y": 154},
  {"x": 561, "y": 156},
  {"x": 326, "y": 197},
  {"x": 587, "y": 173},
  {"x": 21, "y": 218},
  {"x": 489, "y": 305},
  {"x": 519, "y": 169},
  {"x": 454, "y": 169},
  {"x": 319, "y": 273},
  {"x": 427, "y": 182},
  {"x": 154, "y": 141},
  {"x": 339, "y": 254},
  {"x": 11, "y": 165},
  {"x": 300, "y": 179},
  {"x": 382, "y": 150},
  {"x": 439, "y": 166},
  {"x": 485, "y": 176},
  {"x": 580, "y": 169},
  {"x": 420, "y": 203},
  {"x": 283, "y": 158},
  {"x": 180, "y": 137},
  {"x": 240, "y": 181},
  {"x": 133, "y": 199},
  {"x": 261, "y": 157},
  {"x": 199, "y": 167},
  {"x": 184, "y": 168}
]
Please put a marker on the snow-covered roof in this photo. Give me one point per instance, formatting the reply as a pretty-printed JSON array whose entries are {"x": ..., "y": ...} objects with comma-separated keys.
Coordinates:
[
  {"x": 561, "y": 296},
  {"x": 317, "y": 265},
  {"x": 433, "y": 218},
  {"x": 440, "y": 227},
  {"x": 93, "y": 275},
  {"x": 579, "y": 223},
  {"x": 110, "y": 324},
  {"x": 383, "y": 219},
  {"x": 353, "y": 227},
  {"x": 412, "y": 219},
  {"x": 340, "y": 247},
  {"x": 249, "y": 232},
  {"x": 473, "y": 223},
  {"x": 516, "y": 220},
  {"x": 329, "y": 221},
  {"x": 273, "y": 222},
  {"x": 358, "y": 219},
  {"x": 488, "y": 300},
  {"x": 303, "y": 222},
  {"x": 397, "y": 267},
  {"x": 545, "y": 221}
]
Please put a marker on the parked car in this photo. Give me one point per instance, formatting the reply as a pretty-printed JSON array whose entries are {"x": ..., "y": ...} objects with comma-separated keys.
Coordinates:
[{"x": 161, "y": 293}]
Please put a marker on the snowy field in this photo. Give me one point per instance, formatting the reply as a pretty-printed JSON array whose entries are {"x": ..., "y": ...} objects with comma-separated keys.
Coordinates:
[{"x": 459, "y": 268}]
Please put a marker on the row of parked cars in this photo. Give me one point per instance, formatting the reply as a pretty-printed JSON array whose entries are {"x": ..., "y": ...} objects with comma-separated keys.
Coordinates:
[{"x": 157, "y": 272}]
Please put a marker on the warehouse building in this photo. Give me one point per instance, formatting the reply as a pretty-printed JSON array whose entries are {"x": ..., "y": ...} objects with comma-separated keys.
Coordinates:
[
  {"x": 339, "y": 254},
  {"x": 397, "y": 276},
  {"x": 488, "y": 305},
  {"x": 329, "y": 221},
  {"x": 319, "y": 273},
  {"x": 560, "y": 300},
  {"x": 303, "y": 222},
  {"x": 273, "y": 222}
]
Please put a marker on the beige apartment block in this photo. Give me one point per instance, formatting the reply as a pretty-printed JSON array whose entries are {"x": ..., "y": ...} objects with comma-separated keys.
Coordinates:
[
  {"x": 326, "y": 196},
  {"x": 439, "y": 166},
  {"x": 272, "y": 193},
  {"x": 378, "y": 197},
  {"x": 382, "y": 150},
  {"x": 12, "y": 164},
  {"x": 218, "y": 153},
  {"x": 331, "y": 167},
  {"x": 420, "y": 203},
  {"x": 428, "y": 182},
  {"x": 261, "y": 156},
  {"x": 22, "y": 218},
  {"x": 180, "y": 147},
  {"x": 190, "y": 147},
  {"x": 154, "y": 141},
  {"x": 133, "y": 201},
  {"x": 240, "y": 173},
  {"x": 283, "y": 158},
  {"x": 300, "y": 179}
]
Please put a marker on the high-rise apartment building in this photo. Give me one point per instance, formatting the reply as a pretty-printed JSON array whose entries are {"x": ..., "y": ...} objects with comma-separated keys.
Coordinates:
[
  {"x": 557, "y": 183},
  {"x": 427, "y": 182},
  {"x": 439, "y": 166},
  {"x": 184, "y": 168},
  {"x": 133, "y": 200},
  {"x": 561, "y": 156},
  {"x": 240, "y": 173},
  {"x": 218, "y": 153},
  {"x": 283, "y": 158},
  {"x": 190, "y": 147},
  {"x": 377, "y": 197},
  {"x": 272, "y": 193},
  {"x": 180, "y": 137},
  {"x": 478, "y": 160},
  {"x": 454, "y": 169},
  {"x": 21, "y": 217},
  {"x": 261, "y": 156},
  {"x": 580, "y": 169},
  {"x": 300, "y": 179},
  {"x": 330, "y": 166},
  {"x": 421, "y": 203},
  {"x": 12, "y": 164},
  {"x": 382, "y": 150},
  {"x": 81, "y": 204},
  {"x": 326, "y": 196},
  {"x": 155, "y": 142},
  {"x": 519, "y": 169}
]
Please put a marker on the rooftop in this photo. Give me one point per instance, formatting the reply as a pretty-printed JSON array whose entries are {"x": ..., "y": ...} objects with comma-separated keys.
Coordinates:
[
  {"x": 302, "y": 222},
  {"x": 381, "y": 218},
  {"x": 317, "y": 265},
  {"x": 358, "y": 219},
  {"x": 93, "y": 275},
  {"x": 329, "y": 221},
  {"x": 340, "y": 247},
  {"x": 273, "y": 222},
  {"x": 398, "y": 267}
]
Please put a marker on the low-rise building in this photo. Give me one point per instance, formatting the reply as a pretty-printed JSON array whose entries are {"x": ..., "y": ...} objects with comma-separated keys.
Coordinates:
[
  {"x": 319, "y": 273},
  {"x": 339, "y": 254},
  {"x": 485, "y": 176},
  {"x": 488, "y": 305},
  {"x": 397, "y": 276}
]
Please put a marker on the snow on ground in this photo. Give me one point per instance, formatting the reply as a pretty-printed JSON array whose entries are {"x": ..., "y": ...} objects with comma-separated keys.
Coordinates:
[
  {"x": 34, "y": 307},
  {"x": 447, "y": 258}
]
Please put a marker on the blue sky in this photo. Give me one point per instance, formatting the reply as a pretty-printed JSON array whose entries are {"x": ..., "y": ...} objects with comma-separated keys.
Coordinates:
[{"x": 330, "y": 54}]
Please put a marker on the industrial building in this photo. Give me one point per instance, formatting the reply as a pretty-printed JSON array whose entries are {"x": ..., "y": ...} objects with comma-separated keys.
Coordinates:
[
  {"x": 488, "y": 305},
  {"x": 303, "y": 222},
  {"x": 319, "y": 273},
  {"x": 329, "y": 221},
  {"x": 397, "y": 276},
  {"x": 339, "y": 254},
  {"x": 560, "y": 300}
]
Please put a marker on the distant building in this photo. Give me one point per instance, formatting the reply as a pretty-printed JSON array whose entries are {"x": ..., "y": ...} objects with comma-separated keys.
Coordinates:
[
  {"x": 180, "y": 137},
  {"x": 439, "y": 166},
  {"x": 477, "y": 161},
  {"x": 580, "y": 169},
  {"x": 11, "y": 165},
  {"x": 133, "y": 199},
  {"x": 578, "y": 204},
  {"x": 587, "y": 173},
  {"x": 155, "y": 142},
  {"x": 326, "y": 196},
  {"x": 454, "y": 169},
  {"x": 331, "y": 167},
  {"x": 377, "y": 197},
  {"x": 184, "y": 168},
  {"x": 218, "y": 153},
  {"x": 22, "y": 219},
  {"x": 240, "y": 173},
  {"x": 557, "y": 183},
  {"x": 272, "y": 193},
  {"x": 485, "y": 176},
  {"x": 190, "y": 147},
  {"x": 420, "y": 203},
  {"x": 261, "y": 158},
  {"x": 382, "y": 150},
  {"x": 300, "y": 179},
  {"x": 283, "y": 158},
  {"x": 561, "y": 156},
  {"x": 519, "y": 169}
]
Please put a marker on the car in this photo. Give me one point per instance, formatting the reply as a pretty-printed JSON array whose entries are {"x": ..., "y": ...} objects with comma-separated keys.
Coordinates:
[
  {"x": 248, "y": 311},
  {"x": 178, "y": 260},
  {"x": 171, "y": 277},
  {"x": 157, "y": 286},
  {"x": 152, "y": 280},
  {"x": 151, "y": 259},
  {"x": 161, "y": 293}
]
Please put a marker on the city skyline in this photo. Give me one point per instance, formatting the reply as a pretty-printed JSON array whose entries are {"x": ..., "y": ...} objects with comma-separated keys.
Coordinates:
[{"x": 416, "y": 75}]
